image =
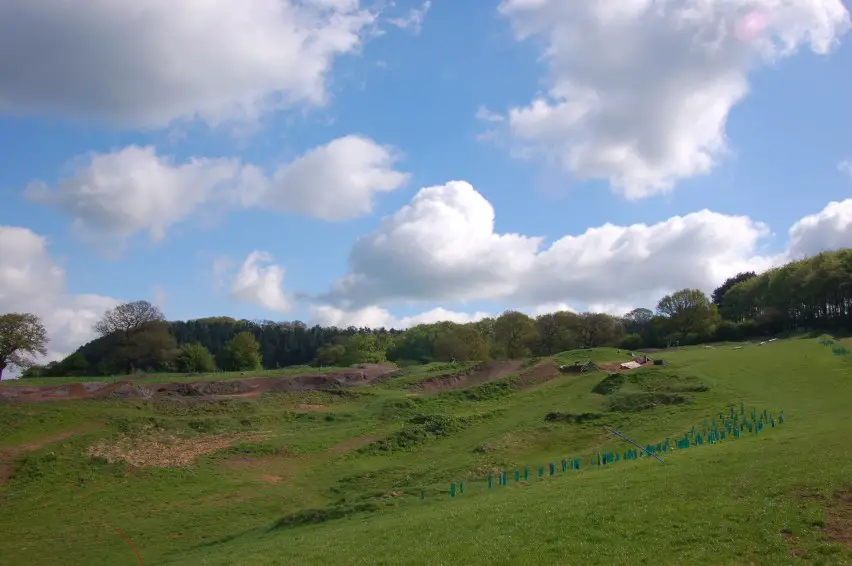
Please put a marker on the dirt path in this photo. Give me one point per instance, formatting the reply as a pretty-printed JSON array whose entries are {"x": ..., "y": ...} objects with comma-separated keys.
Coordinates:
[
  {"x": 8, "y": 456},
  {"x": 483, "y": 373}
]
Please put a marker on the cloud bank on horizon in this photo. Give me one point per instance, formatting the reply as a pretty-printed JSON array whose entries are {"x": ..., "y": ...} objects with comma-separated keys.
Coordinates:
[{"x": 637, "y": 97}]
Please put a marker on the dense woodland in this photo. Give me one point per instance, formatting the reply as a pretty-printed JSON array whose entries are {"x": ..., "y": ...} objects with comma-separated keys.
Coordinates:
[{"x": 812, "y": 294}]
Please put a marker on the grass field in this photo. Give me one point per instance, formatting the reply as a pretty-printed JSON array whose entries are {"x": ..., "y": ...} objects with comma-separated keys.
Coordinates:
[{"x": 336, "y": 478}]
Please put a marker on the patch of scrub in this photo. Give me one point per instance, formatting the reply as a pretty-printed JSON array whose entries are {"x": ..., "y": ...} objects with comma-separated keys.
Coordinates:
[{"x": 160, "y": 449}]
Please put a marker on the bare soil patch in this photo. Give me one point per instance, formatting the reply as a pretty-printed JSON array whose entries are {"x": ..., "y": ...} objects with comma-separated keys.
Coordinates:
[
  {"x": 838, "y": 525},
  {"x": 476, "y": 375},
  {"x": 541, "y": 372},
  {"x": 163, "y": 450},
  {"x": 365, "y": 374},
  {"x": 311, "y": 407}
]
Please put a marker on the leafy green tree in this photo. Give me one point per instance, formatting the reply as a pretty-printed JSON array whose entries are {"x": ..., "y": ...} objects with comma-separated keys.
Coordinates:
[
  {"x": 718, "y": 296},
  {"x": 242, "y": 353},
  {"x": 195, "y": 358},
  {"x": 461, "y": 343},
  {"x": 557, "y": 332},
  {"x": 688, "y": 311},
  {"x": 331, "y": 355},
  {"x": 149, "y": 348},
  {"x": 515, "y": 333},
  {"x": 599, "y": 329},
  {"x": 74, "y": 365},
  {"x": 22, "y": 337},
  {"x": 638, "y": 321}
]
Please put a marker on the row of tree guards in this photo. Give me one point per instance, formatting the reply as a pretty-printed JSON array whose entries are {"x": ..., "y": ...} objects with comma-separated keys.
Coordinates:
[
  {"x": 836, "y": 350},
  {"x": 732, "y": 424}
]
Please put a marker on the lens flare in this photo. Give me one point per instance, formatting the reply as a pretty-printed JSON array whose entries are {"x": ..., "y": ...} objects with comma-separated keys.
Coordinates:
[{"x": 750, "y": 26}]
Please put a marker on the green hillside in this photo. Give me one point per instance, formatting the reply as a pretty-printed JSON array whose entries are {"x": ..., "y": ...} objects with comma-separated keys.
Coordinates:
[{"x": 362, "y": 476}]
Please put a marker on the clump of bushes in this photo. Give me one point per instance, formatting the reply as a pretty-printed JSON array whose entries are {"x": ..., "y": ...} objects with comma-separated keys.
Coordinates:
[
  {"x": 571, "y": 418},
  {"x": 315, "y": 516},
  {"x": 636, "y": 402},
  {"x": 610, "y": 384},
  {"x": 421, "y": 428}
]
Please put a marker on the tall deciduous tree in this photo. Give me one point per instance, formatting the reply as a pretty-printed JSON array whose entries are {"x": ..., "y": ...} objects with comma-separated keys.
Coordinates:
[
  {"x": 557, "y": 332},
  {"x": 22, "y": 337},
  {"x": 688, "y": 311},
  {"x": 461, "y": 343},
  {"x": 242, "y": 353},
  {"x": 195, "y": 358},
  {"x": 128, "y": 318},
  {"x": 515, "y": 332},
  {"x": 598, "y": 329},
  {"x": 718, "y": 296}
]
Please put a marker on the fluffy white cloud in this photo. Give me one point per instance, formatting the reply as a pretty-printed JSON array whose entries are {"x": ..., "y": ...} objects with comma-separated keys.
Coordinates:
[
  {"x": 162, "y": 60},
  {"x": 261, "y": 282},
  {"x": 443, "y": 247},
  {"x": 640, "y": 91},
  {"x": 620, "y": 265},
  {"x": 828, "y": 229},
  {"x": 335, "y": 181},
  {"x": 845, "y": 167},
  {"x": 135, "y": 190},
  {"x": 30, "y": 281},
  {"x": 377, "y": 317},
  {"x": 413, "y": 21}
]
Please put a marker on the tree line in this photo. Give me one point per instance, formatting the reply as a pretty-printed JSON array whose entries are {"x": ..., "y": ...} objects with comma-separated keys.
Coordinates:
[{"x": 813, "y": 293}]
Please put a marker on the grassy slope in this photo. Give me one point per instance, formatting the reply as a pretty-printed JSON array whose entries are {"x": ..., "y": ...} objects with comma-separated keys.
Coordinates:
[
  {"x": 168, "y": 377},
  {"x": 716, "y": 504}
]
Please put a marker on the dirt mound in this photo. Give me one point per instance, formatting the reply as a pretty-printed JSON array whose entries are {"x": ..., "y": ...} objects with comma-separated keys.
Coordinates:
[
  {"x": 476, "y": 375},
  {"x": 249, "y": 387},
  {"x": 540, "y": 373},
  {"x": 131, "y": 391}
]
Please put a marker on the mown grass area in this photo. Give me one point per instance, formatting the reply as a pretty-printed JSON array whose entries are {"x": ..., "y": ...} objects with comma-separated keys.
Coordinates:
[{"x": 335, "y": 478}]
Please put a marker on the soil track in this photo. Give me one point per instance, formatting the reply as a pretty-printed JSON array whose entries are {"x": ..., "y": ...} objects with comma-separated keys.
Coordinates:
[
  {"x": 541, "y": 372},
  {"x": 477, "y": 375},
  {"x": 232, "y": 388}
]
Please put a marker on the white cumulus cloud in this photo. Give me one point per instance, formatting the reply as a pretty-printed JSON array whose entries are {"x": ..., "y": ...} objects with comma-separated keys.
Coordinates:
[
  {"x": 640, "y": 92},
  {"x": 31, "y": 281},
  {"x": 335, "y": 181},
  {"x": 136, "y": 190},
  {"x": 261, "y": 282},
  {"x": 152, "y": 62},
  {"x": 443, "y": 247},
  {"x": 377, "y": 317},
  {"x": 828, "y": 229}
]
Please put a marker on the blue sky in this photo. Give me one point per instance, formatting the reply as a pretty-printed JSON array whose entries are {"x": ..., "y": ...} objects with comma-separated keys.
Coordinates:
[{"x": 593, "y": 132}]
